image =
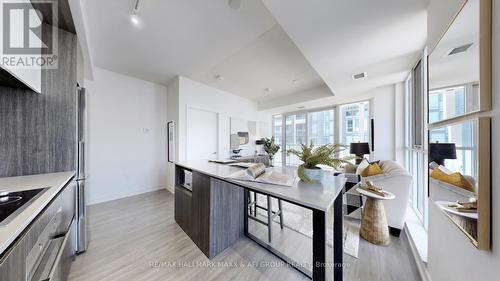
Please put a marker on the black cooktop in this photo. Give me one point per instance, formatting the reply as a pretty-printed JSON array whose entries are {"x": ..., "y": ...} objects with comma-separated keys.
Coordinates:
[{"x": 12, "y": 203}]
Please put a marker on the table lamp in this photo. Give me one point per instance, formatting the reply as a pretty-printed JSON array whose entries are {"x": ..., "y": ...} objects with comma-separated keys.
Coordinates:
[
  {"x": 438, "y": 152},
  {"x": 359, "y": 149}
]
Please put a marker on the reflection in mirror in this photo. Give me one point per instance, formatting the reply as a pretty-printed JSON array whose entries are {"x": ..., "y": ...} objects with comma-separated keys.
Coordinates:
[
  {"x": 454, "y": 69},
  {"x": 453, "y": 156}
]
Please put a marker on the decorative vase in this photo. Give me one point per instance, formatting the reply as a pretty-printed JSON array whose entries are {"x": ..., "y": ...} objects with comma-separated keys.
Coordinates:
[
  {"x": 271, "y": 161},
  {"x": 310, "y": 175}
]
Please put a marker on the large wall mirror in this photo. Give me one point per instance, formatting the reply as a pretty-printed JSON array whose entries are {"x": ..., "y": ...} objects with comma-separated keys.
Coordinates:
[
  {"x": 459, "y": 176},
  {"x": 460, "y": 65}
]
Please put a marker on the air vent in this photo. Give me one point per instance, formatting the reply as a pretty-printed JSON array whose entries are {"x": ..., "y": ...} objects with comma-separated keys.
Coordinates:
[
  {"x": 359, "y": 76},
  {"x": 460, "y": 49}
]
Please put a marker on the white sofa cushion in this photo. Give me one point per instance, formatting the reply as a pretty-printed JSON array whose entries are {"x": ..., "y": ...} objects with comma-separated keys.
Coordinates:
[
  {"x": 391, "y": 167},
  {"x": 398, "y": 181}
]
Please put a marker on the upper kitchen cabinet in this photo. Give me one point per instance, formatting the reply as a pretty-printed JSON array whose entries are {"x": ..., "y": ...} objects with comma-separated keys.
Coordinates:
[
  {"x": 24, "y": 50},
  {"x": 63, "y": 19}
]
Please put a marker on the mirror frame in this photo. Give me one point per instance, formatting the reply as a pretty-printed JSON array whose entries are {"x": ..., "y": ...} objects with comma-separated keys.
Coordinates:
[
  {"x": 483, "y": 241},
  {"x": 485, "y": 59}
]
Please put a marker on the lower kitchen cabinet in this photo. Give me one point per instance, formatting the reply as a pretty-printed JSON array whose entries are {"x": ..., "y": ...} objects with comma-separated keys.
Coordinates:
[
  {"x": 183, "y": 209},
  {"x": 212, "y": 214},
  {"x": 46, "y": 248}
]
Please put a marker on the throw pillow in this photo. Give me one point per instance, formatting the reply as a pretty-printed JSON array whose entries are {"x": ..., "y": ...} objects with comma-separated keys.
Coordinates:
[
  {"x": 362, "y": 166},
  {"x": 350, "y": 168},
  {"x": 468, "y": 184},
  {"x": 444, "y": 170},
  {"x": 455, "y": 179},
  {"x": 372, "y": 170},
  {"x": 437, "y": 174},
  {"x": 433, "y": 165}
]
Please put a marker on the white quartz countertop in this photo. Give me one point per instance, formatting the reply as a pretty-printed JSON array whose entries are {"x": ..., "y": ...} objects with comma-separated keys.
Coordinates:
[
  {"x": 315, "y": 196},
  {"x": 55, "y": 182}
]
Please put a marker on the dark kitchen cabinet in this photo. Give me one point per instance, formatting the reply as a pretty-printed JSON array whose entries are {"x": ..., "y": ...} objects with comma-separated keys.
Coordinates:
[
  {"x": 212, "y": 214},
  {"x": 50, "y": 231},
  {"x": 183, "y": 213}
]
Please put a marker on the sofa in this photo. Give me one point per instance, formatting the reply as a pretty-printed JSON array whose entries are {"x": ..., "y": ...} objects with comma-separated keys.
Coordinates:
[{"x": 397, "y": 180}]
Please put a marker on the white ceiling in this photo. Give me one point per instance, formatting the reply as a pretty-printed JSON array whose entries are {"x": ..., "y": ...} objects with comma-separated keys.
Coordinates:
[
  {"x": 265, "y": 44},
  {"x": 272, "y": 61},
  {"x": 462, "y": 68},
  {"x": 199, "y": 39},
  {"x": 340, "y": 38}
]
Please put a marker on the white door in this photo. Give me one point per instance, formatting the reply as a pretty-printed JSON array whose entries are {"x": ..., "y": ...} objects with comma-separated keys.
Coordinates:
[{"x": 202, "y": 132}]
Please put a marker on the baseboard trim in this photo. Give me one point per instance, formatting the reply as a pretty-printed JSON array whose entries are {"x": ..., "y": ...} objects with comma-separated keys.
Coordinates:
[
  {"x": 421, "y": 265},
  {"x": 121, "y": 196},
  {"x": 170, "y": 189}
]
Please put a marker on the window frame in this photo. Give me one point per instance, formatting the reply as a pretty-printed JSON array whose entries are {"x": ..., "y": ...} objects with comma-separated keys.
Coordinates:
[{"x": 336, "y": 119}]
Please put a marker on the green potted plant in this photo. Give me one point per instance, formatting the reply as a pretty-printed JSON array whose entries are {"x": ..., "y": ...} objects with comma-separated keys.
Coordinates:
[
  {"x": 322, "y": 155},
  {"x": 271, "y": 148}
]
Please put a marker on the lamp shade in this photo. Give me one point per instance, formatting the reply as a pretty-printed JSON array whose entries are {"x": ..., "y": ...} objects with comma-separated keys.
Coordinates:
[
  {"x": 359, "y": 148},
  {"x": 441, "y": 151},
  {"x": 259, "y": 142}
]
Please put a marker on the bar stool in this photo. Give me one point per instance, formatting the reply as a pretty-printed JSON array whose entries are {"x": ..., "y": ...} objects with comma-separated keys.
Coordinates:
[{"x": 253, "y": 206}]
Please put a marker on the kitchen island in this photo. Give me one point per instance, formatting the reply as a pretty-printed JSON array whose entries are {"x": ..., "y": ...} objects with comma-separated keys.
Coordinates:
[{"x": 212, "y": 210}]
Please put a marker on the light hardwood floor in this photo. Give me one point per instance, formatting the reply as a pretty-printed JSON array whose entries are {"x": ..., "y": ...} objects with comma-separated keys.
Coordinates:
[{"x": 136, "y": 238}]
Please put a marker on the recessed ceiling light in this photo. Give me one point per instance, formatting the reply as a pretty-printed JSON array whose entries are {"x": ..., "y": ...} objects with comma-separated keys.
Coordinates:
[
  {"x": 359, "y": 76},
  {"x": 134, "y": 17},
  {"x": 301, "y": 107},
  {"x": 219, "y": 77},
  {"x": 269, "y": 90}
]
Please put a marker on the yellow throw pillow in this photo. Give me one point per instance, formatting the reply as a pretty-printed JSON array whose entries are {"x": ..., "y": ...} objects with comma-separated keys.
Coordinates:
[
  {"x": 467, "y": 185},
  {"x": 372, "y": 170},
  {"x": 437, "y": 174},
  {"x": 455, "y": 179}
]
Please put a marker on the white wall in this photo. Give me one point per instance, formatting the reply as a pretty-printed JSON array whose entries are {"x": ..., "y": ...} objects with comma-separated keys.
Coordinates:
[
  {"x": 126, "y": 136},
  {"x": 192, "y": 94},
  {"x": 383, "y": 115},
  {"x": 197, "y": 95},
  {"x": 451, "y": 255}
]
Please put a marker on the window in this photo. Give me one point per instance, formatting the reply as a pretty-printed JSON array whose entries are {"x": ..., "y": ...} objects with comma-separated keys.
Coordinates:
[
  {"x": 450, "y": 102},
  {"x": 415, "y": 135},
  {"x": 278, "y": 137},
  {"x": 417, "y": 104},
  {"x": 321, "y": 127},
  {"x": 349, "y": 127},
  {"x": 463, "y": 136},
  {"x": 295, "y": 131},
  {"x": 317, "y": 127},
  {"x": 354, "y": 120}
]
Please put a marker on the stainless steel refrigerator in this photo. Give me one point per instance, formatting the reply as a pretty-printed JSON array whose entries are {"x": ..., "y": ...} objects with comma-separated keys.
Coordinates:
[{"x": 81, "y": 175}]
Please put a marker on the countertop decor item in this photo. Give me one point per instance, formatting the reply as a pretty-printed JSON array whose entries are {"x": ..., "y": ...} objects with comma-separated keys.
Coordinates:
[
  {"x": 271, "y": 148},
  {"x": 359, "y": 149},
  {"x": 311, "y": 157},
  {"x": 374, "y": 227}
]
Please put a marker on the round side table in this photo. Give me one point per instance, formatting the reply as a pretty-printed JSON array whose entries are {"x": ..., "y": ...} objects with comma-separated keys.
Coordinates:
[{"x": 374, "y": 226}]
